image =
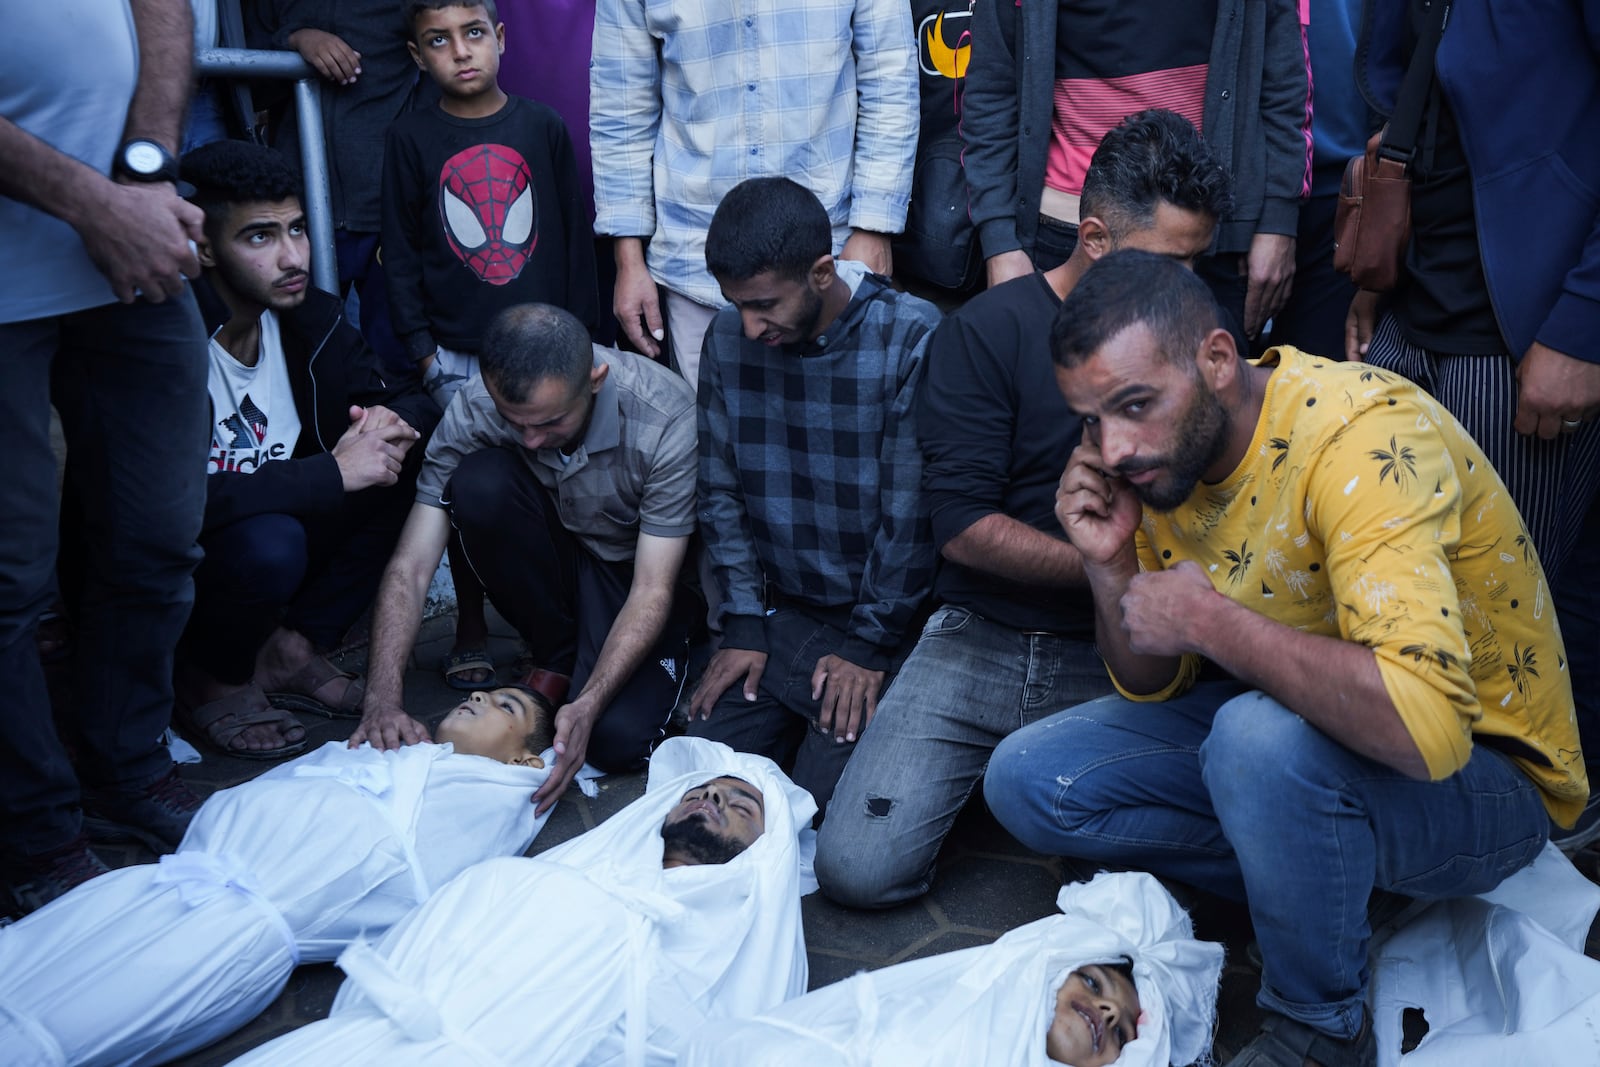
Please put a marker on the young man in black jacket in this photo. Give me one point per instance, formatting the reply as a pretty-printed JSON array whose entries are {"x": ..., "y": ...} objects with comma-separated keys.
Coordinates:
[{"x": 312, "y": 465}]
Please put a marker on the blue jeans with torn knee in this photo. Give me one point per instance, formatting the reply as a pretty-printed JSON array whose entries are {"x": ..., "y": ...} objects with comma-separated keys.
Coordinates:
[
  {"x": 968, "y": 683},
  {"x": 1228, "y": 790}
]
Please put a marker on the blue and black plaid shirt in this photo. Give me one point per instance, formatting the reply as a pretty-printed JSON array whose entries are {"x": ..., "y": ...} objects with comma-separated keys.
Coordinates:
[{"x": 810, "y": 474}]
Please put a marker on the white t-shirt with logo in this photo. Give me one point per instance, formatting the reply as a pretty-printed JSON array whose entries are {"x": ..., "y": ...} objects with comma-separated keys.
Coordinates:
[{"x": 253, "y": 417}]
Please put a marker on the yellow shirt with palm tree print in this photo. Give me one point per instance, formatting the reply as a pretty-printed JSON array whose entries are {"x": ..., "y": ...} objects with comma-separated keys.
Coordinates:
[{"x": 1363, "y": 511}]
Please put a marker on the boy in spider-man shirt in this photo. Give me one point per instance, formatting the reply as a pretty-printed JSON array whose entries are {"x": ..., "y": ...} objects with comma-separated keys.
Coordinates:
[
  {"x": 482, "y": 204},
  {"x": 482, "y": 209}
]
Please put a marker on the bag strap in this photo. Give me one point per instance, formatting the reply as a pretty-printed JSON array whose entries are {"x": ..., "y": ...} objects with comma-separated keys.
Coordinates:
[{"x": 1405, "y": 125}]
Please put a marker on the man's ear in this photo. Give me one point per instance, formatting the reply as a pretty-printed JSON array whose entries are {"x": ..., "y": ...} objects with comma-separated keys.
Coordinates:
[
  {"x": 1218, "y": 359},
  {"x": 597, "y": 377},
  {"x": 528, "y": 759},
  {"x": 500, "y": 37},
  {"x": 416, "y": 54},
  {"x": 202, "y": 249},
  {"x": 1095, "y": 237},
  {"x": 822, "y": 273}
]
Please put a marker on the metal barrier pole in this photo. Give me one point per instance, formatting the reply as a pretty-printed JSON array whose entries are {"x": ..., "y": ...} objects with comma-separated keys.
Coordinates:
[{"x": 255, "y": 63}]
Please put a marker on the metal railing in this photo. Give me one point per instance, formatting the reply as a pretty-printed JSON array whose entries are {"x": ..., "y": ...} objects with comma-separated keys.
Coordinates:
[{"x": 253, "y": 63}]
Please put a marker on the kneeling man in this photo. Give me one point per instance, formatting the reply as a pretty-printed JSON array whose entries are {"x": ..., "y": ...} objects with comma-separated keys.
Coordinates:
[
  {"x": 1387, "y": 703},
  {"x": 568, "y": 470}
]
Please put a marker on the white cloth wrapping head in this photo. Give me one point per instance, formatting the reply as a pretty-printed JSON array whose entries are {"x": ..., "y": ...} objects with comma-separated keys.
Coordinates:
[
  {"x": 589, "y": 953},
  {"x": 993, "y": 1004},
  {"x": 1500, "y": 978},
  {"x": 146, "y": 963}
]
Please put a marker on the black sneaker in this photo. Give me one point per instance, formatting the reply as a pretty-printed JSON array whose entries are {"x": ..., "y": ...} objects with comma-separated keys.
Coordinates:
[
  {"x": 157, "y": 815},
  {"x": 37, "y": 880},
  {"x": 1583, "y": 832}
]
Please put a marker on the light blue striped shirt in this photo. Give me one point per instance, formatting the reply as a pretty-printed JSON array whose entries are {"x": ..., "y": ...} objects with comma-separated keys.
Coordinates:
[{"x": 690, "y": 97}]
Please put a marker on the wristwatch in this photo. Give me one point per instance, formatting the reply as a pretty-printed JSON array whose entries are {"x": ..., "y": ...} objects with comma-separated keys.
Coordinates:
[{"x": 145, "y": 161}]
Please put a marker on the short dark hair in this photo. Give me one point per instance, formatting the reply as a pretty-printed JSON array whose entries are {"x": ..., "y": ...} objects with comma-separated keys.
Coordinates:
[
  {"x": 530, "y": 343},
  {"x": 414, "y": 8},
  {"x": 543, "y": 734},
  {"x": 225, "y": 173},
  {"x": 767, "y": 224},
  {"x": 1151, "y": 158},
  {"x": 1128, "y": 287}
]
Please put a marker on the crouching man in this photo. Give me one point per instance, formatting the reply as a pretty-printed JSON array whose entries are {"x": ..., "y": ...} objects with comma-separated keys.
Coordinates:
[
  {"x": 313, "y": 462},
  {"x": 1387, "y": 704}
]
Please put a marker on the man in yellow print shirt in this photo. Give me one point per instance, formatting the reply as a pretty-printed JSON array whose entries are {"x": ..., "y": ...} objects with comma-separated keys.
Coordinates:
[{"x": 1338, "y": 662}]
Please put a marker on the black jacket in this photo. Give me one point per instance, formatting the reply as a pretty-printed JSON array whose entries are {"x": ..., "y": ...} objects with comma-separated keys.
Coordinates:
[
  {"x": 354, "y": 117},
  {"x": 330, "y": 368}
]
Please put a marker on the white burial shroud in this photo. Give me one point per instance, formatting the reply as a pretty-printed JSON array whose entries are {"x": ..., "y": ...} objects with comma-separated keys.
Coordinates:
[
  {"x": 589, "y": 953},
  {"x": 145, "y": 963},
  {"x": 992, "y": 1005},
  {"x": 1500, "y": 978}
]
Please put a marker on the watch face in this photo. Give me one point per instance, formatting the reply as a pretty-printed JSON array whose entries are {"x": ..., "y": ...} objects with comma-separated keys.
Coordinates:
[{"x": 142, "y": 157}]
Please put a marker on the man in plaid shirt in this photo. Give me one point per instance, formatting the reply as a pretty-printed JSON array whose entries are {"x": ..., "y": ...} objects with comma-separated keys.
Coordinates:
[
  {"x": 689, "y": 97},
  {"x": 810, "y": 484}
]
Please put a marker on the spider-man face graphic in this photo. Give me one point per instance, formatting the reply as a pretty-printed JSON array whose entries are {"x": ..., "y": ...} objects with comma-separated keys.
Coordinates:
[{"x": 487, "y": 205}]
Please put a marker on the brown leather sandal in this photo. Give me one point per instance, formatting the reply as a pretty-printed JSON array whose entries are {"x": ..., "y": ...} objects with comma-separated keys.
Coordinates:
[
  {"x": 220, "y": 722},
  {"x": 296, "y": 694}
]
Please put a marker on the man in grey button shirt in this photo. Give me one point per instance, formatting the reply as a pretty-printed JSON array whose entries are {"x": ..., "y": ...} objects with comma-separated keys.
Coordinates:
[{"x": 569, "y": 471}]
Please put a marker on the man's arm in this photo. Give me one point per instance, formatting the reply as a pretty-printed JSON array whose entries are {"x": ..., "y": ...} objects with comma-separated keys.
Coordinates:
[
  {"x": 967, "y": 413},
  {"x": 1558, "y": 377},
  {"x": 395, "y": 618},
  {"x": 989, "y": 121},
  {"x": 638, "y": 625},
  {"x": 1286, "y": 126},
  {"x": 999, "y": 545},
  {"x": 1101, "y": 514},
  {"x": 887, "y": 116},
  {"x": 166, "y": 72},
  {"x": 729, "y": 544},
  {"x": 899, "y": 568},
  {"x": 624, "y": 119},
  {"x": 138, "y": 235},
  {"x": 1332, "y": 683}
]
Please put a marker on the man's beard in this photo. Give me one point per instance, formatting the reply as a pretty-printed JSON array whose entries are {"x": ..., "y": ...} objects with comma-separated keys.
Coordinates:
[
  {"x": 692, "y": 841},
  {"x": 1201, "y": 439}
]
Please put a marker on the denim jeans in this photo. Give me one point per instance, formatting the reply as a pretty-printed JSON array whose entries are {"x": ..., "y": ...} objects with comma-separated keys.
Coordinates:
[
  {"x": 129, "y": 381},
  {"x": 967, "y": 684},
  {"x": 781, "y": 723},
  {"x": 312, "y": 573},
  {"x": 1228, "y": 790}
]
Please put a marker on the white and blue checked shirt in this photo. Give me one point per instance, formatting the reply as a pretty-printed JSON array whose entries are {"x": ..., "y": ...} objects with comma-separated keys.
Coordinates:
[{"x": 688, "y": 98}]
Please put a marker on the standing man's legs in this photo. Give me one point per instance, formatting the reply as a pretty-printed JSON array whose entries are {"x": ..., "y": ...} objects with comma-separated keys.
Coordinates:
[
  {"x": 360, "y": 266},
  {"x": 38, "y": 790},
  {"x": 967, "y": 684},
  {"x": 687, "y": 323},
  {"x": 129, "y": 383}
]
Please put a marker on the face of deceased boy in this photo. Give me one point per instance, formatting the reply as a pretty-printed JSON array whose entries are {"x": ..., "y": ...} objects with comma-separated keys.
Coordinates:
[
  {"x": 493, "y": 723},
  {"x": 1097, "y": 1008}
]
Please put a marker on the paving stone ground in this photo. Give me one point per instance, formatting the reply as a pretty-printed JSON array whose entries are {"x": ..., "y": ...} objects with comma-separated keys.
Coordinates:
[{"x": 987, "y": 883}]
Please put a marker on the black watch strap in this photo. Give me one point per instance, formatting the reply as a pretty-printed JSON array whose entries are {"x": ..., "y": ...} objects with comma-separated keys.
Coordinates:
[{"x": 145, "y": 161}]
